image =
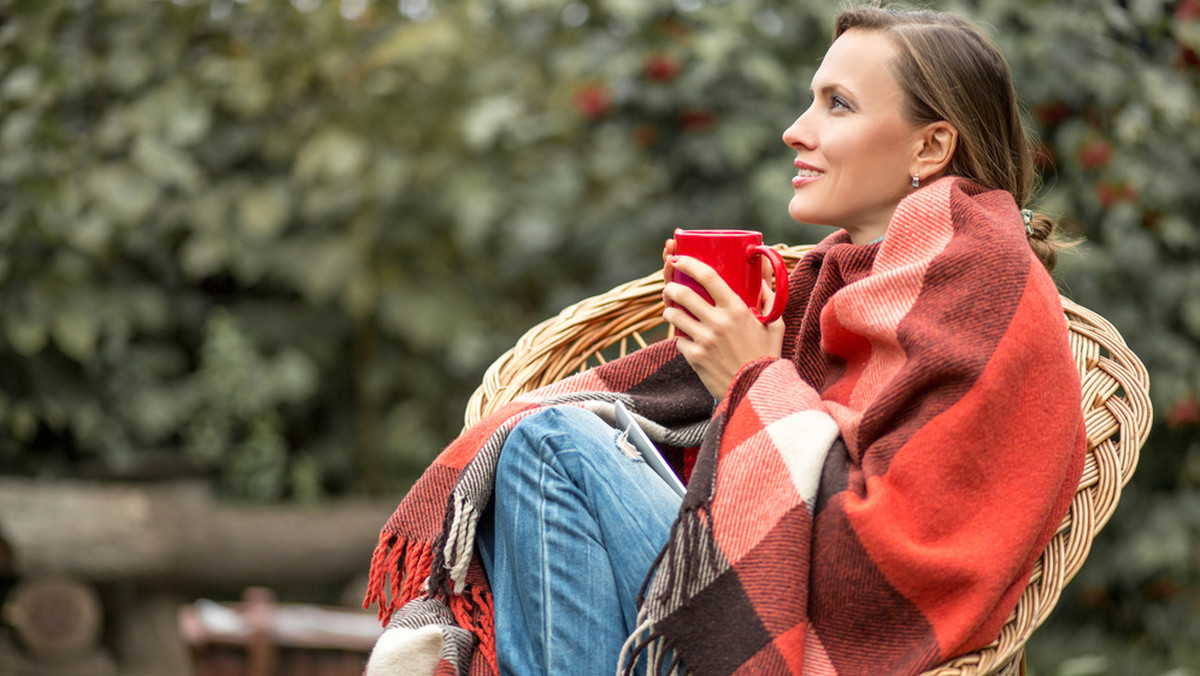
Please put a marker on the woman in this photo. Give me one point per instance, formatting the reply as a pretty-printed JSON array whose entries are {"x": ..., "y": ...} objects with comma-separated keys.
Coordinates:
[{"x": 882, "y": 467}]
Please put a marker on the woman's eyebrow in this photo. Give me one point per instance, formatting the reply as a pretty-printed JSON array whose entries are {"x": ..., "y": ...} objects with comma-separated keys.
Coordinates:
[{"x": 830, "y": 89}]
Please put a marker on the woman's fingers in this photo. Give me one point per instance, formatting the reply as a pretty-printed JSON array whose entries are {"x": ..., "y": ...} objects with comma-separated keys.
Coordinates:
[
  {"x": 667, "y": 255},
  {"x": 766, "y": 297},
  {"x": 683, "y": 300},
  {"x": 707, "y": 278}
]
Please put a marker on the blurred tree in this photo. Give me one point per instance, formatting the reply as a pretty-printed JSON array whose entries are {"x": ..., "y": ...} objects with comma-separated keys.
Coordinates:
[{"x": 278, "y": 242}]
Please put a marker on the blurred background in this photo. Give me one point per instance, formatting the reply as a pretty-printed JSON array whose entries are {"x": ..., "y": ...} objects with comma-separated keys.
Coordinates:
[{"x": 256, "y": 254}]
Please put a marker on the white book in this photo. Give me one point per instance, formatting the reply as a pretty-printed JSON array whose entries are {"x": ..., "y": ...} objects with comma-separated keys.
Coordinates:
[{"x": 650, "y": 453}]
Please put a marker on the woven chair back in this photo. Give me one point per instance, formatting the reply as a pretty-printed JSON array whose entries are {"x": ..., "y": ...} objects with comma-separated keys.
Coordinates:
[{"x": 1116, "y": 408}]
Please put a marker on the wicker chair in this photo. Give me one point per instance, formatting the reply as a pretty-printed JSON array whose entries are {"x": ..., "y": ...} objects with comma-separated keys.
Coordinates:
[{"x": 1116, "y": 409}]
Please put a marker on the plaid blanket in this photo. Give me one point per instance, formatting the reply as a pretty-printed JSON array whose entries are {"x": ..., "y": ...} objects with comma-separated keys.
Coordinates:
[{"x": 941, "y": 356}]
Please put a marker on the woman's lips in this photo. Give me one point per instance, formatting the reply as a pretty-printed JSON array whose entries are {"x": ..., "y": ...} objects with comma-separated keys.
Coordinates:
[
  {"x": 804, "y": 178},
  {"x": 805, "y": 173}
]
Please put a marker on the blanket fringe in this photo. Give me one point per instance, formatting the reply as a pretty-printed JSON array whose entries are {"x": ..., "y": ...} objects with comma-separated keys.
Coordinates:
[
  {"x": 406, "y": 563},
  {"x": 634, "y": 645},
  {"x": 461, "y": 541},
  {"x": 684, "y": 564},
  {"x": 377, "y": 577},
  {"x": 475, "y": 612},
  {"x": 644, "y": 641}
]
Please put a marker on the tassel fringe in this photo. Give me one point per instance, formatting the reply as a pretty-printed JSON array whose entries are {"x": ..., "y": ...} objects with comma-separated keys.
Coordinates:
[
  {"x": 685, "y": 565},
  {"x": 460, "y": 542},
  {"x": 644, "y": 641},
  {"x": 407, "y": 564}
]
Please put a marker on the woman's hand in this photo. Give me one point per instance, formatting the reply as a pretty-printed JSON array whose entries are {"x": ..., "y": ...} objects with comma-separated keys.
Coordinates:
[
  {"x": 668, "y": 266},
  {"x": 719, "y": 339}
]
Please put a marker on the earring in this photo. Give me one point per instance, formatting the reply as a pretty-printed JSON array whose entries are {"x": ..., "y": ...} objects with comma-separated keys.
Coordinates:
[{"x": 916, "y": 181}]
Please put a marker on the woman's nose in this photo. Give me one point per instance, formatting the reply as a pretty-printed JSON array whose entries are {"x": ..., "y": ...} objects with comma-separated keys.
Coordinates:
[{"x": 797, "y": 135}]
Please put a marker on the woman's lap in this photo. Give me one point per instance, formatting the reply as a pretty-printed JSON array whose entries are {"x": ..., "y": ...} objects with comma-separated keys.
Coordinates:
[{"x": 575, "y": 525}]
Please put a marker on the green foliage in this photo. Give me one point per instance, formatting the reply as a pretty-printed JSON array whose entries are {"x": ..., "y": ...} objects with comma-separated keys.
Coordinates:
[{"x": 278, "y": 242}]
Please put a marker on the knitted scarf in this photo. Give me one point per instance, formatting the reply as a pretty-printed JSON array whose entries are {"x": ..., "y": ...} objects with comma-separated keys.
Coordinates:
[{"x": 870, "y": 503}]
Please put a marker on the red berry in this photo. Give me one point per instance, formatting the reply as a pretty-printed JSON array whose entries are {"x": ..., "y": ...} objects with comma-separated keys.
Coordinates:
[
  {"x": 1111, "y": 192},
  {"x": 1051, "y": 114},
  {"x": 1187, "y": 10},
  {"x": 593, "y": 101},
  {"x": 1185, "y": 412},
  {"x": 659, "y": 68},
  {"x": 696, "y": 120},
  {"x": 646, "y": 135},
  {"x": 1095, "y": 154}
]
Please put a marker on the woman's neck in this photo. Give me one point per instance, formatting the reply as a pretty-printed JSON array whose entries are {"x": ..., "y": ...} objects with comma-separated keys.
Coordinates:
[{"x": 867, "y": 235}]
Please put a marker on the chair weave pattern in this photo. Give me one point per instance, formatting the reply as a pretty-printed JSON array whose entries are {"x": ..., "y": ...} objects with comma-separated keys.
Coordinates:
[{"x": 1116, "y": 408}]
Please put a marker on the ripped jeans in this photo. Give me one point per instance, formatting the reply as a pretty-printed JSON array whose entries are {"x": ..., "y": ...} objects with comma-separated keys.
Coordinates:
[{"x": 572, "y": 532}]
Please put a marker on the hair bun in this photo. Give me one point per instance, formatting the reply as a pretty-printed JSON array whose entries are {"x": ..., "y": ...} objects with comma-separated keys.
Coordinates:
[{"x": 1042, "y": 233}]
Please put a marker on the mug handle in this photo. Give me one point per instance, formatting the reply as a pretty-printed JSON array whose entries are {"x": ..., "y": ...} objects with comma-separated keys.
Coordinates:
[{"x": 781, "y": 280}]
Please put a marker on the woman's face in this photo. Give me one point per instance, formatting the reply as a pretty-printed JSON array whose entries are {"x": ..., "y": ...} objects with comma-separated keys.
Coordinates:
[{"x": 855, "y": 152}]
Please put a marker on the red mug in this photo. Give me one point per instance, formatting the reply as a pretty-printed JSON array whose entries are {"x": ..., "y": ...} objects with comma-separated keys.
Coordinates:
[{"x": 735, "y": 254}]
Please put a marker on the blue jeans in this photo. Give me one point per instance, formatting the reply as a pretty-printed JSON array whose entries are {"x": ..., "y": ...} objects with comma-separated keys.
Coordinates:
[{"x": 573, "y": 530}]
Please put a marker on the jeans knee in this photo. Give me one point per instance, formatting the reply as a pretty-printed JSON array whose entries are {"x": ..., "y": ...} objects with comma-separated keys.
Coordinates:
[
  {"x": 556, "y": 418},
  {"x": 525, "y": 440},
  {"x": 530, "y": 438},
  {"x": 553, "y": 420}
]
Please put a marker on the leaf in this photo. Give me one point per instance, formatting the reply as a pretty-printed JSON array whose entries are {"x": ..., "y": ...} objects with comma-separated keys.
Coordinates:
[
  {"x": 1083, "y": 665},
  {"x": 26, "y": 335},
  {"x": 122, "y": 193},
  {"x": 204, "y": 255},
  {"x": 249, "y": 93},
  {"x": 186, "y": 119},
  {"x": 406, "y": 434},
  {"x": 21, "y": 84},
  {"x": 258, "y": 466},
  {"x": 416, "y": 315},
  {"x": 209, "y": 211},
  {"x": 412, "y": 43},
  {"x": 1188, "y": 33},
  {"x": 1174, "y": 97},
  {"x": 75, "y": 333},
  {"x": 488, "y": 119},
  {"x": 293, "y": 376},
  {"x": 23, "y": 420},
  {"x": 127, "y": 68},
  {"x": 1179, "y": 233},
  {"x": 90, "y": 233},
  {"x": 306, "y": 480},
  {"x": 332, "y": 154},
  {"x": 325, "y": 267},
  {"x": 168, "y": 165},
  {"x": 477, "y": 202},
  {"x": 768, "y": 72},
  {"x": 263, "y": 211},
  {"x": 18, "y": 129},
  {"x": 158, "y": 410},
  {"x": 630, "y": 10}
]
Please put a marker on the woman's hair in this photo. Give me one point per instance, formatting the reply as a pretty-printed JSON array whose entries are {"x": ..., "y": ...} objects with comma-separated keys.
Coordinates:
[{"x": 949, "y": 70}]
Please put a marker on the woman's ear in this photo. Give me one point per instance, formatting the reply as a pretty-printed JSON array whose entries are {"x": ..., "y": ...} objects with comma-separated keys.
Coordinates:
[{"x": 938, "y": 142}]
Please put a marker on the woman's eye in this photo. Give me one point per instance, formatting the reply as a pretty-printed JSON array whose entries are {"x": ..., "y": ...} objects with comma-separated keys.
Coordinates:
[{"x": 838, "y": 102}]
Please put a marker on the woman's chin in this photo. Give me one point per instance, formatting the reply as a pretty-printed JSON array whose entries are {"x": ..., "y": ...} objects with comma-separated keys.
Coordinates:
[{"x": 803, "y": 213}]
